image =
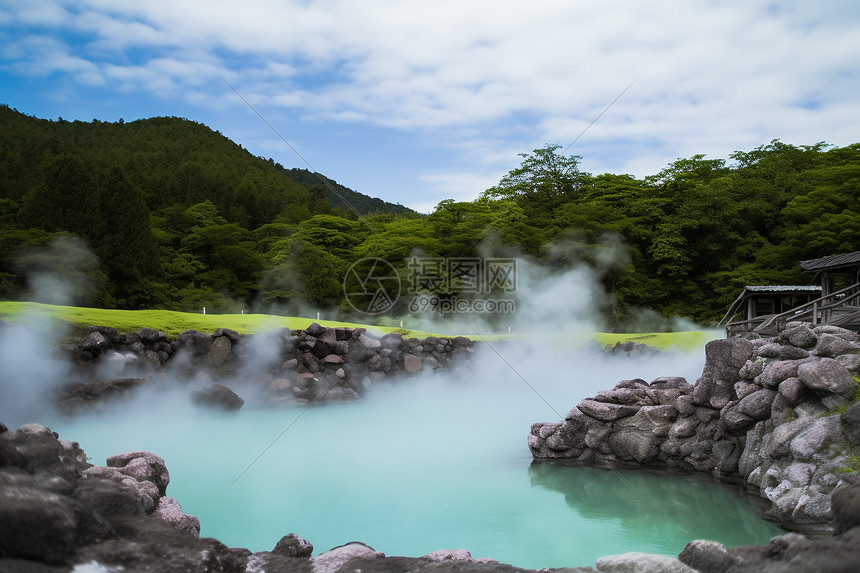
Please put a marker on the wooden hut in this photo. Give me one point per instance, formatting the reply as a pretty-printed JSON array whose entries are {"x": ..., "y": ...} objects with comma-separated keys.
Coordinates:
[
  {"x": 765, "y": 310},
  {"x": 836, "y": 272}
]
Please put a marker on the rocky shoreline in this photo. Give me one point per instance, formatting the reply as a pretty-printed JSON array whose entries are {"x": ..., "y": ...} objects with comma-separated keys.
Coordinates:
[
  {"x": 276, "y": 368},
  {"x": 280, "y": 367},
  {"x": 780, "y": 415},
  {"x": 59, "y": 513}
]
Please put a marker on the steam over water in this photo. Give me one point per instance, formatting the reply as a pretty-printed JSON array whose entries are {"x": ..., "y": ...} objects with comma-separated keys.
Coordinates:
[
  {"x": 427, "y": 464},
  {"x": 418, "y": 465}
]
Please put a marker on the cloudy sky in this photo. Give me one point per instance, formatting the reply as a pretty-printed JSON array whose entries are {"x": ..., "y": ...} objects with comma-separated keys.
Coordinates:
[{"x": 419, "y": 101}]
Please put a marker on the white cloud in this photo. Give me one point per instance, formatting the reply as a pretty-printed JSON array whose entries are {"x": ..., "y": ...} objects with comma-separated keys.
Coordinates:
[
  {"x": 485, "y": 78},
  {"x": 460, "y": 186}
]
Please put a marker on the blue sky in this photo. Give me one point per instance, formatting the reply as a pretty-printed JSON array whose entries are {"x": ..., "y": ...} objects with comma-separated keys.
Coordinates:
[{"x": 419, "y": 101}]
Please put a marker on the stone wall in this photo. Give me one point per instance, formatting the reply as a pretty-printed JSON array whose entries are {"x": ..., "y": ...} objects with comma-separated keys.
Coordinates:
[
  {"x": 279, "y": 367},
  {"x": 59, "y": 513},
  {"x": 778, "y": 414}
]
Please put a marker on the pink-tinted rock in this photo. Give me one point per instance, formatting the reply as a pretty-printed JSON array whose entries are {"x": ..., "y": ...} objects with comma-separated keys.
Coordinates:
[
  {"x": 331, "y": 561},
  {"x": 142, "y": 466},
  {"x": 604, "y": 411},
  {"x": 280, "y": 384},
  {"x": 449, "y": 555},
  {"x": 757, "y": 404},
  {"x": 776, "y": 372},
  {"x": 827, "y": 375},
  {"x": 411, "y": 362},
  {"x": 170, "y": 511},
  {"x": 145, "y": 492},
  {"x": 629, "y": 396},
  {"x": 219, "y": 352},
  {"x": 292, "y": 545}
]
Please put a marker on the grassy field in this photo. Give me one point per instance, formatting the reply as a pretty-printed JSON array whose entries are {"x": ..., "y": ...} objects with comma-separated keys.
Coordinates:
[{"x": 172, "y": 323}]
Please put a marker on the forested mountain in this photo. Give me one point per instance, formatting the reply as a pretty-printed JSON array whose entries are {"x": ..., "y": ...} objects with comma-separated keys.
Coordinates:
[
  {"x": 166, "y": 213},
  {"x": 343, "y": 197}
]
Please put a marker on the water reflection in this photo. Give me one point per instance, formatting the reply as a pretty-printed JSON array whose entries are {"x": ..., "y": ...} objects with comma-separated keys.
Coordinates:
[{"x": 662, "y": 509}]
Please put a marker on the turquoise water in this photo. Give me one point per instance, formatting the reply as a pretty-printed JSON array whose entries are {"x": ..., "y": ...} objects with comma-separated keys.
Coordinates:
[{"x": 421, "y": 466}]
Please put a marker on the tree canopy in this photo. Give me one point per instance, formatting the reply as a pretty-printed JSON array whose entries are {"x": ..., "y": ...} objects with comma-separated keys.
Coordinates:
[{"x": 166, "y": 213}]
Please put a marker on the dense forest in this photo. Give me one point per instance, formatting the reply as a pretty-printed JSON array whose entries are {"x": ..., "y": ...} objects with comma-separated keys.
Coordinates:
[{"x": 166, "y": 213}]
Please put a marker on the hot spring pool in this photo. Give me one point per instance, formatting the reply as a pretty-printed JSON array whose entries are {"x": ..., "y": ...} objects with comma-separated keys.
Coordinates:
[{"x": 420, "y": 466}]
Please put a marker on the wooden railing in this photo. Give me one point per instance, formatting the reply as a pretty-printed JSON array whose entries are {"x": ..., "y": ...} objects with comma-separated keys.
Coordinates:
[{"x": 824, "y": 310}]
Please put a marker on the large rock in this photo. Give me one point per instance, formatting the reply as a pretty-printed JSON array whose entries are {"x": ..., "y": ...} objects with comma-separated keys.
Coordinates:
[
  {"x": 813, "y": 439},
  {"x": 219, "y": 352},
  {"x": 411, "y": 362},
  {"x": 850, "y": 419},
  {"x": 115, "y": 497},
  {"x": 723, "y": 362},
  {"x": 51, "y": 520},
  {"x": 635, "y": 562},
  {"x": 605, "y": 411},
  {"x": 171, "y": 512},
  {"x": 101, "y": 481},
  {"x": 34, "y": 523},
  {"x": 291, "y": 545},
  {"x": 832, "y": 346},
  {"x": 142, "y": 466},
  {"x": 778, "y": 443},
  {"x": 219, "y": 397},
  {"x": 757, "y": 404},
  {"x": 800, "y": 336},
  {"x": 829, "y": 376},
  {"x": 44, "y": 452},
  {"x": 775, "y": 372},
  {"x": 846, "y": 508},
  {"x": 331, "y": 561},
  {"x": 633, "y": 444},
  {"x": 707, "y": 557},
  {"x": 95, "y": 343}
]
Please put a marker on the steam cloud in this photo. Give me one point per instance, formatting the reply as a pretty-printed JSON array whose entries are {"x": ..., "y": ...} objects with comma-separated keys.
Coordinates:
[{"x": 420, "y": 430}]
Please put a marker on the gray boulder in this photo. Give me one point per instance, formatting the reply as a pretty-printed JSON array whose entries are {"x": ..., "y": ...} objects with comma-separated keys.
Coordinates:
[
  {"x": 707, "y": 557},
  {"x": 219, "y": 397},
  {"x": 800, "y": 336},
  {"x": 605, "y": 411},
  {"x": 830, "y": 345},
  {"x": 850, "y": 419},
  {"x": 291, "y": 545},
  {"x": 757, "y": 404},
  {"x": 723, "y": 361},
  {"x": 827, "y": 375},
  {"x": 635, "y": 562},
  {"x": 331, "y": 561},
  {"x": 219, "y": 352}
]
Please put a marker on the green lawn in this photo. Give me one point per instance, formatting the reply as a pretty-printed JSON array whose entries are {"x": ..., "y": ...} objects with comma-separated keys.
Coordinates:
[{"x": 172, "y": 323}]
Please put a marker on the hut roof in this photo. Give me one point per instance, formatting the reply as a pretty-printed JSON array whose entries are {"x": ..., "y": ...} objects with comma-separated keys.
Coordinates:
[
  {"x": 832, "y": 262},
  {"x": 783, "y": 288}
]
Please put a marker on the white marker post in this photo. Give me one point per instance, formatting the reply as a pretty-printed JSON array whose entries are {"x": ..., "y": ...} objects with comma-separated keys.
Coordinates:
[{"x": 204, "y": 310}]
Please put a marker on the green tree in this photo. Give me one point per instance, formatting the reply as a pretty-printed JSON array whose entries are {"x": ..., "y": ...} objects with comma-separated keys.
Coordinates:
[
  {"x": 64, "y": 200},
  {"x": 543, "y": 173},
  {"x": 123, "y": 239}
]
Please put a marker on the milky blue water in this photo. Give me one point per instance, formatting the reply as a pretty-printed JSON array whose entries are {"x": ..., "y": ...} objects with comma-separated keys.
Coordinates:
[{"x": 424, "y": 465}]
